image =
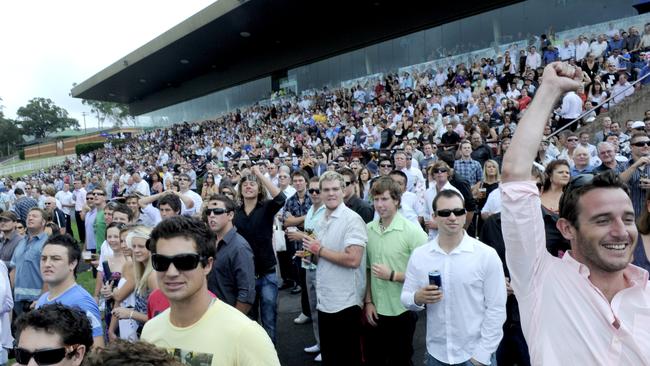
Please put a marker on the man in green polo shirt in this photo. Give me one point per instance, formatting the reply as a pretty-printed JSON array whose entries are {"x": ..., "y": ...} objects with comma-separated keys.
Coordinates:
[{"x": 391, "y": 240}]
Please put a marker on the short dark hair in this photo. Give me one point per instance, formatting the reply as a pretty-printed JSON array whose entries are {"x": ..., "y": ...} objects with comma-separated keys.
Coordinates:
[
  {"x": 19, "y": 191},
  {"x": 569, "y": 207},
  {"x": 172, "y": 201},
  {"x": 121, "y": 352},
  {"x": 227, "y": 201},
  {"x": 123, "y": 208},
  {"x": 386, "y": 183},
  {"x": 228, "y": 204},
  {"x": 400, "y": 173},
  {"x": 187, "y": 227},
  {"x": 349, "y": 173},
  {"x": 446, "y": 193},
  {"x": 300, "y": 173},
  {"x": 72, "y": 325},
  {"x": 67, "y": 241}
]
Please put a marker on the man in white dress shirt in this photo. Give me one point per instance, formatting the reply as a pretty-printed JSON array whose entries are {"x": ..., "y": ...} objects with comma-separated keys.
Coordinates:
[{"x": 472, "y": 279}]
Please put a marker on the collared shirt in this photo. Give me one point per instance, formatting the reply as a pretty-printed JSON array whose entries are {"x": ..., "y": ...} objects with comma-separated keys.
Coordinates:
[
  {"x": 469, "y": 169},
  {"x": 361, "y": 207},
  {"x": 637, "y": 194},
  {"x": 393, "y": 247},
  {"x": 89, "y": 224},
  {"x": 196, "y": 198},
  {"x": 411, "y": 207},
  {"x": 232, "y": 277},
  {"x": 339, "y": 287},
  {"x": 567, "y": 318},
  {"x": 571, "y": 106},
  {"x": 589, "y": 169},
  {"x": 313, "y": 220},
  {"x": 472, "y": 280},
  {"x": 23, "y": 205},
  {"x": 295, "y": 208},
  {"x": 79, "y": 198},
  {"x": 8, "y": 245},
  {"x": 257, "y": 229},
  {"x": 27, "y": 263},
  {"x": 149, "y": 216}
]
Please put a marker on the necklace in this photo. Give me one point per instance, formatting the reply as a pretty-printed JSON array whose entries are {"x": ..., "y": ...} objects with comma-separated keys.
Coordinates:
[{"x": 382, "y": 227}]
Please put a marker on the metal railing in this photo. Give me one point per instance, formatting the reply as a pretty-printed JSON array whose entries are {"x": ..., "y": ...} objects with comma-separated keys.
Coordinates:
[
  {"x": 34, "y": 165},
  {"x": 583, "y": 114}
]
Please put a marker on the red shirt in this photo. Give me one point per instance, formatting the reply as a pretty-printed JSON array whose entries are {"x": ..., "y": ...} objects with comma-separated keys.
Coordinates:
[{"x": 157, "y": 302}]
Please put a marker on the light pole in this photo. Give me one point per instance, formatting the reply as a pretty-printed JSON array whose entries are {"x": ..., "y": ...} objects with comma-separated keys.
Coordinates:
[{"x": 85, "y": 129}]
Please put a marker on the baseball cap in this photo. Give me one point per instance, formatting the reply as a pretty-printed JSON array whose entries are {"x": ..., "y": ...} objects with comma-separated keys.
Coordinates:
[{"x": 638, "y": 124}]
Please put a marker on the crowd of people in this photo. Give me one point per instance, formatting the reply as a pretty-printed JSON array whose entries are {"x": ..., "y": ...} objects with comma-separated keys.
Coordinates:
[{"x": 371, "y": 203}]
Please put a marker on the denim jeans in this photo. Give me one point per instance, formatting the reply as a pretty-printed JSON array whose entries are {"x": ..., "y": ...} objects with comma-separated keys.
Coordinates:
[
  {"x": 433, "y": 362},
  {"x": 266, "y": 302}
]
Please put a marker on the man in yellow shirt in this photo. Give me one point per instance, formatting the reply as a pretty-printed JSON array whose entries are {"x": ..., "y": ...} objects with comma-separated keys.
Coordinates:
[{"x": 197, "y": 327}]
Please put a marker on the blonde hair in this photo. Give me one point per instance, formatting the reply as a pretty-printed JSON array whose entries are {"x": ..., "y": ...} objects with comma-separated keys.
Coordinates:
[
  {"x": 141, "y": 271},
  {"x": 496, "y": 165},
  {"x": 330, "y": 176}
]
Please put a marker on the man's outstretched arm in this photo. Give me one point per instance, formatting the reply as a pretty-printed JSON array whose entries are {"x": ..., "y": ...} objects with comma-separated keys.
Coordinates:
[{"x": 558, "y": 78}]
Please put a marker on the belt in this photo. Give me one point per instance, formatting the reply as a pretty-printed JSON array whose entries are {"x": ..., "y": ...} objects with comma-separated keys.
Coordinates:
[{"x": 268, "y": 271}]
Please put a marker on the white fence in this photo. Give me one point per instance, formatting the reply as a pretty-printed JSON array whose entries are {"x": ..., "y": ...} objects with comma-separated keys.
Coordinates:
[{"x": 35, "y": 164}]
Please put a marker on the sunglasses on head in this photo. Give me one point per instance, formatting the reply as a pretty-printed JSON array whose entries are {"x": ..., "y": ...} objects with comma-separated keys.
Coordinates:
[
  {"x": 42, "y": 357},
  {"x": 215, "y": 211},
  {"x": 447, "y": 213},
  {"x": 314, "y": 190},
  {"x": 182, "y": 262},
  {"x": 641, "y": 143}
]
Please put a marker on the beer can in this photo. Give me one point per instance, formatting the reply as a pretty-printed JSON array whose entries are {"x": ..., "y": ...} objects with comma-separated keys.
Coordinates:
[{"x": 435, "y": 278}]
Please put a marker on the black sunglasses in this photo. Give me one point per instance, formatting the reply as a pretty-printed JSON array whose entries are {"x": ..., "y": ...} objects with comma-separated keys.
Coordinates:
[
  {"x": 313, "y": 190},
  {"x": 385, "y": 165},
  {"x": 439, "y": 170},
  {"x": 216, "y": 211},
  {"x": 347, "y": 184},
  {"x": 447, "y": 213},
  {"x": 182, "y": 262},
  {"x": 641, "y": 143},
  {"x": 42, "y": 357}
]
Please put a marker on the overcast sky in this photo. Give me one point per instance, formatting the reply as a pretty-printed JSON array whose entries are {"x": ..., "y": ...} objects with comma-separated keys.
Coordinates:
[{"x": 48, "y": 45}]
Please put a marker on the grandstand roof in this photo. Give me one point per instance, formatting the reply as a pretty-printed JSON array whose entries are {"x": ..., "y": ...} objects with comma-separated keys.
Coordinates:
[{"x": 234, "y": 41}]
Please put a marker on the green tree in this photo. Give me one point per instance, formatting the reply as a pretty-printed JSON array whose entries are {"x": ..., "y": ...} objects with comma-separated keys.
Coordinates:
[
  {"x": 117, "y": 113},
  {"x": 10, "y": 136},
  {"x": 41, "y": 116}
]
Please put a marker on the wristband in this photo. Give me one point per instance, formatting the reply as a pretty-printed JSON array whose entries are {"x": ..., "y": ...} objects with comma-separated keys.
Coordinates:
[
  {"x": 131, "y": 315},
  {"x": 320, "y": 249},
  {"x": 392, "y": 276}
]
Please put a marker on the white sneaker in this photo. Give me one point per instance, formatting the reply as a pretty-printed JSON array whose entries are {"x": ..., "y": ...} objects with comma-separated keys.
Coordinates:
[
  {"x": 302, "y": 319},
  {"x": 313, "y": 349},
  {"x": 319, "y": 358}
]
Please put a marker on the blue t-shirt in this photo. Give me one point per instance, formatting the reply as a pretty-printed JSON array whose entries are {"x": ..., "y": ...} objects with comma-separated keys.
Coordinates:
[{"x": 77, "y": 297}]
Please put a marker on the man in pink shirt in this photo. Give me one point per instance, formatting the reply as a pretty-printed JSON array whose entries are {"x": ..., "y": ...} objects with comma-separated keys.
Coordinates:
[{"x": 591, "y": 307}]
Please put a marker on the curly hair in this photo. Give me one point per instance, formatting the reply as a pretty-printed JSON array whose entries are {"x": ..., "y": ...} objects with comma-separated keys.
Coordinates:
[
  {"x": 71, "y": 324},
  {"x": 121, "y": 352}
]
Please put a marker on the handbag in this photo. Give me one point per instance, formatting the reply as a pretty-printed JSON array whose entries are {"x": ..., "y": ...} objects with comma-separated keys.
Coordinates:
[{"x": 279, "y": 241}]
